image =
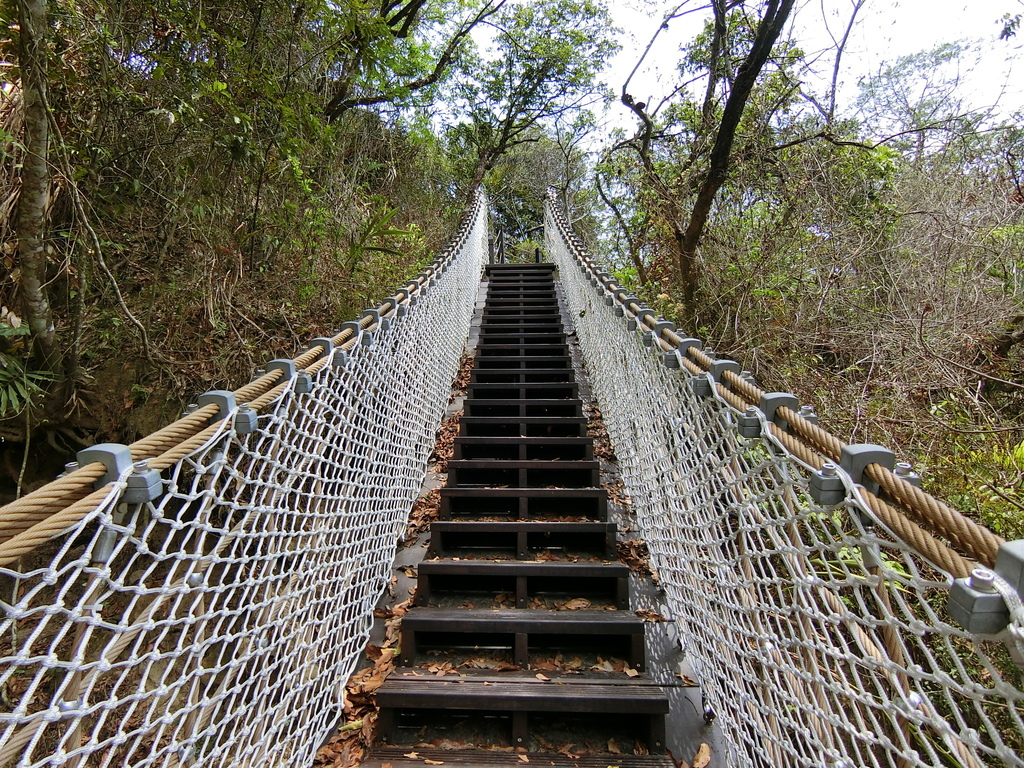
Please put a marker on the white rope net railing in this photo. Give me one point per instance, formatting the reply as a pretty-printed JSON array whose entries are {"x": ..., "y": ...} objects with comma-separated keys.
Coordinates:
[
  {"x": 217, "y": 624},
  {"x": 818, "y": 636}
]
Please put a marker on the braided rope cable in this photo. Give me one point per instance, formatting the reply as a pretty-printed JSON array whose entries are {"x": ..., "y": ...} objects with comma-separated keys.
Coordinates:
[
  {"x": 21, "y": 515},
  {"x": 976, "y": 541},
  {"x": 813, "y": 617}
]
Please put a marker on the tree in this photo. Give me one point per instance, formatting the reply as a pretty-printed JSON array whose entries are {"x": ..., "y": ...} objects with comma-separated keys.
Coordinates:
[
  {"x": 385, "y": 66},
  {"x": 729, "y": 30},
  {"x": 543, "y": 64},
  {"x": 35, "y": 181}
]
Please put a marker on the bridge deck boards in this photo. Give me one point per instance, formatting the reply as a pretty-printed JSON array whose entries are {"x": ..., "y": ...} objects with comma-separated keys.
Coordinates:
[{"x": 523, "y": 533}]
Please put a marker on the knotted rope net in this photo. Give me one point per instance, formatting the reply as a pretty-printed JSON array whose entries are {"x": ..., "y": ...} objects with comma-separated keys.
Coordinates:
[
  {"x": 217, "y": 623},
  {"x": 818, "y": 634}
]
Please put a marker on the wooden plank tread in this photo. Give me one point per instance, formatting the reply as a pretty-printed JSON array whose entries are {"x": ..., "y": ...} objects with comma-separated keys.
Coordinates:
[
  {"x": 521, "y": 694},
  {"x": 481, "y": 758},
  {"x": 585, "y": 569},
  {"x": 482, "y": 619}
]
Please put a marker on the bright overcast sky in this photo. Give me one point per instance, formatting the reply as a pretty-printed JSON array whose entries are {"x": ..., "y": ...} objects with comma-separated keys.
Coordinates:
[{"x": 884, "y": 31}]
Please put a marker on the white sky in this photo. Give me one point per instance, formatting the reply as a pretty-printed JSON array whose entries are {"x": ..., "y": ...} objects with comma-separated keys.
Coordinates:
[{"x": 884, "y": 31}]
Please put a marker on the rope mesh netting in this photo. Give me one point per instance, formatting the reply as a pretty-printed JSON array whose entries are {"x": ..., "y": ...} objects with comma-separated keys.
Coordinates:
[
  {"x": 818, "y": 637},
  {"x": 221, "y": 626}
]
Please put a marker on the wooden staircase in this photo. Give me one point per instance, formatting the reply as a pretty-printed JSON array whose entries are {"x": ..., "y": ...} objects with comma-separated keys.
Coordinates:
[{"x": 523, "y": 570}]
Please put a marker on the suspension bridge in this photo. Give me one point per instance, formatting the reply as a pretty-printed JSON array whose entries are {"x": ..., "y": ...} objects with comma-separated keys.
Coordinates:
[{"x": 202, "y": 596}]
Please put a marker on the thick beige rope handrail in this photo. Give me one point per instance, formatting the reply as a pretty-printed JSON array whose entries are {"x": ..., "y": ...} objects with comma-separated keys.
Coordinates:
[
  {"x": 49, "y": 511},
  {"x": 814, "y": 445}
]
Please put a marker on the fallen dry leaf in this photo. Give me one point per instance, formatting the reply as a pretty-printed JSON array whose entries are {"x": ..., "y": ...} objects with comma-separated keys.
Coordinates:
[
  {"x": 433, "y": 762},
  {"x": 703, "y": 757},
  {"x": 648, "y": 615},
  {"x": 544, "y": 678},
  {"x": 524, "y": 758},
  {"x": 613, "y": 746},
  {"x": 412, "y": 755},
  {"x": 576, "y": 604},
  {"x": 631, "y": 672}
]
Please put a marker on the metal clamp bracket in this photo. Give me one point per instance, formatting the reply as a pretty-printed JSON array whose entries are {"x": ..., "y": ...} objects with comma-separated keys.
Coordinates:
[
  {"x": 339, "y": 359},
  {"x": 326, "y": 346},
  {"x": 748, "y": 424},
  {"x": 826, "y": 486},
  {"x": 718, "y": 367},
  {"x": 144, "y": 484},
  {"x": 117, "y": 458},
  {"x": 382, "y": 323},
  {"x": 975, "y": 603},
  {"x": 772, "y": 401},
  {"x": 224, "y": 400},
  {"x": 854, "y": 458},
  {"x": 246, "y": 419},
  {"x": 284, "y": 365},
  {"x": 364, "y": 337},
  {"x": 685, "y": 345}
]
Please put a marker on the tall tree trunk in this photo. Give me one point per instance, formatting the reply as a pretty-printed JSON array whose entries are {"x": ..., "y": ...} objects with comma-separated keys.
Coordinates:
[
  {"x": 768, "y": 31},
  {"x": 35, "y": 183}
]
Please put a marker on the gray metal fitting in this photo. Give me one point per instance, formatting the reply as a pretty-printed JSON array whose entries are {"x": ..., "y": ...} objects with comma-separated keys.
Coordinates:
[
  {"x": 303, "y": 383},
  {"x": 144, "y": 484},
  {"x": 259, "y": 373},
  {"x": 648, "y": 339},
  {"x": 603, "y": 276},
  {"x": 339, "y": 359},
  {"x": 284, "y": 365},
  {"x": 670, "y": 359},
  {"x": 772, "y": 401},
  {"x": 69, "y": 467},
  {"x": 401, "y": 311},
  {"x": 807, "y": 413},
  {"x": 621, "y": 294},
  {"x": 748, "y": 377},
  {"x": 904, "y": 470},
  {"x": 721, "y": 366},
  {"x": 701, "y": 386},
  {"x": 854, "y": 459},
  {"x": 609, "y": 301},
  {"x": 117, "y": 458},
  {"x": 326, "y": 346},
  {"x": 661, "y": 326},
  {"x": 826, "y": 486},
  {"x": 224, "y": 400},
  {"x": 246, "y": 419},
  {"x": 685, "y": 345},
  {"x": 619, "y": 311},
  {"x": 383, "y": 323},
  {"x": 975, "y": 605},
  {"x": 190, "y": 409},
  {"x": 748, "y": 424},
  {"x": 1010, "y": 564}
]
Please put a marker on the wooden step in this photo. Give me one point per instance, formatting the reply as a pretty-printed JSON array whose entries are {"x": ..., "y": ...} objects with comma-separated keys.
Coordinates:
[
  {"x": 397, "y": 757},
  {"x": 523, "y": 474},
  {"x": 523, "y": 537},
  {"x": 524, "y": 363},
  {"x": 521, "y": 696},
  {"x": 533, "y": 390},
  {"x": 524, "y": 503},
  {"x": 519, "y": 447},
  {"x": 524, "y": 426},
  {"x": 524, "y": 579},
  {"x": 434, "y": 627},
  {"x": 514, "y": 409},
  {"x": 518, "y": 375}
]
